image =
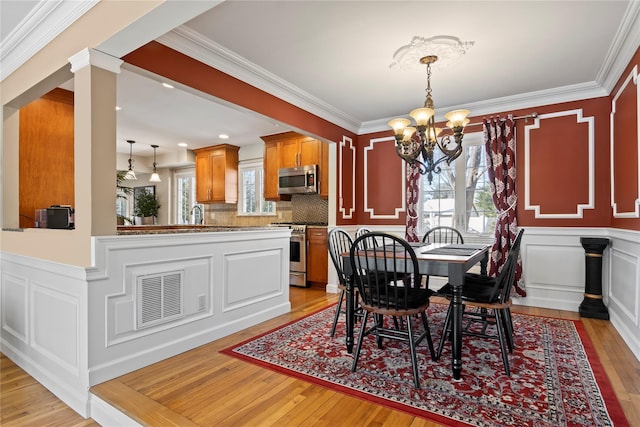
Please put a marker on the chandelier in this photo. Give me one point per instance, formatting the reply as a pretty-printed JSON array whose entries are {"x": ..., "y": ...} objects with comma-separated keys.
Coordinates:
[
  {"x": 131, "y": 175},
  {"x": 416, "y": 144},
  {"x": 154, "y": 176}
]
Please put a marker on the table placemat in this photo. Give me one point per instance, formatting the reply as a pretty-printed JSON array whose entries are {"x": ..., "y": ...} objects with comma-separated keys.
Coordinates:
[{"x": 456, "y": 249}]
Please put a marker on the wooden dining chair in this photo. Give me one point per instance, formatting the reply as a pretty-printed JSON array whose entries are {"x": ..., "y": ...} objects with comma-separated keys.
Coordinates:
[
  {"x": 388, "y": 283},
  {"x": 340, "y": 243},
  {"x": 441, "y": 234},
  {"x": 487, "y": 302}
]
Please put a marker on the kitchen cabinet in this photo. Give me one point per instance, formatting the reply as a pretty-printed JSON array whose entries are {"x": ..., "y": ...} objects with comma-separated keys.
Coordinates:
[
  {"x": 291, "y": 149},
  {"x": 270, "y": 168},
  {"x": 299, "y": 151},
  {"x": 217, "y": 174},
  {"x": 317, "y": 255},
  {"x": 324, "y": 171}
]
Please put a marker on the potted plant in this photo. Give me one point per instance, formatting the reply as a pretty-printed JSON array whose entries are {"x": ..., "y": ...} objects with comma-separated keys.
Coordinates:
[
  {"x": 122, "y": 192},
  {"x": 146, "y": 206}
]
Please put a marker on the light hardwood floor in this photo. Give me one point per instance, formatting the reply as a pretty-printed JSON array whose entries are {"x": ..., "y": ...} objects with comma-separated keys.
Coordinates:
[{"x": 205, "y": 388}]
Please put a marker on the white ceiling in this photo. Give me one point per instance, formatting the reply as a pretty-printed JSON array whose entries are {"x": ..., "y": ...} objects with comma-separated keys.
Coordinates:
[{"x": 333, "y": 58}]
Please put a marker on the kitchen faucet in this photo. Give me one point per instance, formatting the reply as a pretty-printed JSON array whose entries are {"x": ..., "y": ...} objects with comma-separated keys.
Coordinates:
[{"x": 200, "y": 217}]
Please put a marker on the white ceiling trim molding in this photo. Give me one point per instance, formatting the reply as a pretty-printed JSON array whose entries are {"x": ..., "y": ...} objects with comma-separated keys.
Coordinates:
[
  {"x": 96, "y": 58},
  {"x": 343, "y": 145},
  {"x": 632, "y": 77},
  {"x": 44, "y": 23},
  {"x": 623, "y": 47},
  {"x": 193, "y": 44},
  {"x": 580, "y": 207},
  {"x": 402, "y": 172},
  {"x": 557, "y": 95}
]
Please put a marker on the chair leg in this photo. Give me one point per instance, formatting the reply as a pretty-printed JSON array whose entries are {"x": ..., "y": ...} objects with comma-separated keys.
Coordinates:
[
  {"x": 414, "y": 359},
  {"x": 501, "y": 338},
  {"x": 363, "y": 327},
  {"x": 379, "y": 320},
  {"x": 338, "y": 308},
  {"x": 425, "y": 323},
  {"x": 445, "y": 332},
  {"x": 508, "y": 325}
]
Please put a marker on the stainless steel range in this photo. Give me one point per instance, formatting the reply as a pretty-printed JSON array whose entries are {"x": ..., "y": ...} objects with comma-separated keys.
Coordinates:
[{"x": 297, "y": 253}]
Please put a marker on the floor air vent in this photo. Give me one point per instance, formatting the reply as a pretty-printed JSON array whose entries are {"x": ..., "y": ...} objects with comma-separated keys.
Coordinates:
[{"x": 159, "y": 298}]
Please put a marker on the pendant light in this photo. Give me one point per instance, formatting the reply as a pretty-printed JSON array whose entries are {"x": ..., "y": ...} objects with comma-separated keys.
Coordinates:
[
  {"x": 154, "y": 176},
  {"x": 130, "y": 175}
]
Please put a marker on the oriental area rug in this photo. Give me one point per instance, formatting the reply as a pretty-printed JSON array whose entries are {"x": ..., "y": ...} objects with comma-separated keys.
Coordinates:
[{"x": 556, "y": 377}]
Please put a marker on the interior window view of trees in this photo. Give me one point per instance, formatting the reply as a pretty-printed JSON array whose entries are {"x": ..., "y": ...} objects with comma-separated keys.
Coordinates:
[
  {"x": 465, "y": 203},
  {"x": 250, "y": 191}
]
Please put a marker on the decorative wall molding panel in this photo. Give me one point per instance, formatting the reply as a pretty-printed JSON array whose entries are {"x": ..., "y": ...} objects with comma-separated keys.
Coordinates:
[
  {"x": 71, "y": 327},
  {"x": 44, "y": 325},
  {"x": 625, "y": 146},
  {"x": 588, "y": 153},
  {"x": 369, "y": 205},
  {"x": 346, "y": 144}
]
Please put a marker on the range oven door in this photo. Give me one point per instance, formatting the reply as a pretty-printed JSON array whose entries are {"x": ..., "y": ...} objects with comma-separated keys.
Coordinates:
[{"x": 298, "y": 260}]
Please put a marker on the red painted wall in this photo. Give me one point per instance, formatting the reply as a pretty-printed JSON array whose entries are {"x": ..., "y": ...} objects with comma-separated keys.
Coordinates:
[
  {"x": 557, "y": 150},
  {"x": 626, "y": 143}
]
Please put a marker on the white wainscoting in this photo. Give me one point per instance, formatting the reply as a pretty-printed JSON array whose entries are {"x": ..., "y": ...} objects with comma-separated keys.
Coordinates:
[
  {"x": 231, "y": 280},
  {"x": 71, "y": 327},
  {"x": 44, "y": 325}
]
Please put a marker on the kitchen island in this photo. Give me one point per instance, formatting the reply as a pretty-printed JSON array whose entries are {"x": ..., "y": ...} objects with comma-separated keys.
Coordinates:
[{"x": 150, "y": 293}]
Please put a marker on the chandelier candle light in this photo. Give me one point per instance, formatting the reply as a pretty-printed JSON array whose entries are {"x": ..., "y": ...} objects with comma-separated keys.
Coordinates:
[
  {"x": 413, "y": 142},
  {"x": 131, "y": 175},
  {"x": 154, "y": 176}
]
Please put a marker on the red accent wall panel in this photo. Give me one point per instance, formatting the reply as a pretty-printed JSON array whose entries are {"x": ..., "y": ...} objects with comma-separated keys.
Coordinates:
[
  {"x": 347, "y": 211},
  {"x": 625, "y": 150},
  {"x": 383, "y": 181},
  {"x": 568, "y": 137},
  {"x": 558, "y": 156}
]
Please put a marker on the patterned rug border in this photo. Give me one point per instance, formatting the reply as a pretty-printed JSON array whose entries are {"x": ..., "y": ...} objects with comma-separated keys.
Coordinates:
[{"x": 614, "y": 408}]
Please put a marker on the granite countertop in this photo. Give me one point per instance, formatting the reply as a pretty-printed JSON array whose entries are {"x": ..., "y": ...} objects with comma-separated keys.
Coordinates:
[{"x": 186, "y": 228}]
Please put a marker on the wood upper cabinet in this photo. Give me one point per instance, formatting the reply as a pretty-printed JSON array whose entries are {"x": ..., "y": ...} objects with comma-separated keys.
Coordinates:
[
  {"x": 217, "y": 174},
  {"x": 298, "y": 150},
  {"x": 317, "y": 255},
  {"x": 289, "y": 149},
  {"x": 324, "y": 170},
  {"x": 270, "y": 168}
]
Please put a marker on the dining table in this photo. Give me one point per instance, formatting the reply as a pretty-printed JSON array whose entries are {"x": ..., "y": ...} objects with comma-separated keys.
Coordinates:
[{"x": 435, "y": 259}]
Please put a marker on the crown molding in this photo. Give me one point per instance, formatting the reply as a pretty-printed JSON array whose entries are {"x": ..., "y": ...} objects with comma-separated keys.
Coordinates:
[
  {"x": 44, "y": 23},
  {"x": 622, "y": 49},
  {"x": 193, "y": 44},
  {"x": 507, "y": 103}
]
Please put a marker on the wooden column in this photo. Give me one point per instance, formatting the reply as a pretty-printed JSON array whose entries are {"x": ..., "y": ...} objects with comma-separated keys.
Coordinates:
[{"x": 592, "y": 306}]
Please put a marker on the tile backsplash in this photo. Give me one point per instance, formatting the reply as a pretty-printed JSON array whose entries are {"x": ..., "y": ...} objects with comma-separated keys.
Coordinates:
[
  {"x": 309, "y": 208},
  {"x": 301, "y": 208}
]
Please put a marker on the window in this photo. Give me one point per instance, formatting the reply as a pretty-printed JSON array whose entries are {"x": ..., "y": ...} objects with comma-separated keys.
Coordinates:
[
  {"x": 185, "y": 196},
  {"x": 250, "y": 190},
  {"x": 465, "y": 204}
]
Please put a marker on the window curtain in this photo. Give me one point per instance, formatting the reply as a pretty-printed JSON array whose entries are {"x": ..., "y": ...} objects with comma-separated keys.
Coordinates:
[
  {"x": 413, "y": 197},
  {"x": 499, "y": 138}
]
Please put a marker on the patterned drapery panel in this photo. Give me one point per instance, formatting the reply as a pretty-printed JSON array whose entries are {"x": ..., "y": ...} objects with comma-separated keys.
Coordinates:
[
  {"x": 413, "y": 197},
  {"x": 499, "y": 137}
]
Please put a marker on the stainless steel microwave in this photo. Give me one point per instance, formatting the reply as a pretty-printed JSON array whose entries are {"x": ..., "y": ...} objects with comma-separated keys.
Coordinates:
[{"x": 298, "y": 180}]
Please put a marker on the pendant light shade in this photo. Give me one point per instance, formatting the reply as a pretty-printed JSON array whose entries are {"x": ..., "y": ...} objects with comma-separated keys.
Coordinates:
[
  {"x": 130, "y": 175},
  {"x": 154, "y": 176}
]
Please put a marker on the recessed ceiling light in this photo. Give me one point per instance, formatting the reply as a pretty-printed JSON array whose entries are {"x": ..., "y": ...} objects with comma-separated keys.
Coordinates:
[
  {"x": 167, "y": 85},
  {"x": 223, "y": 136},
  {"x": 118, "y": 108},
  {"x": 182, "y": 144}
]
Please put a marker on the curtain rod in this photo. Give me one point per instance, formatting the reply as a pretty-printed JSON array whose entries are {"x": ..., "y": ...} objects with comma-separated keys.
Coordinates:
[{"x": 528, "y": 116}]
